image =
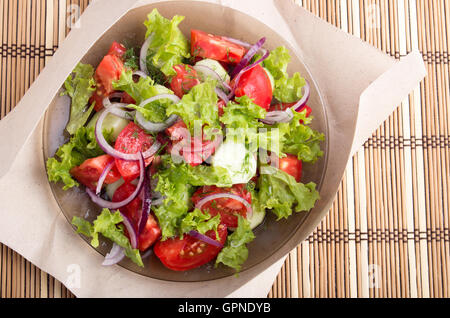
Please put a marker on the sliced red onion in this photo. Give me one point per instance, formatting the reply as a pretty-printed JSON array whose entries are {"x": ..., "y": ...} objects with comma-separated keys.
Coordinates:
[
  {"x": 130, "y": 229},
  {"x": 172, "y": 97},
  {"x": 236, "y": 41},
  {"x": 140, "y": 73},
  {"x": 103, "y": 176},
  {"x": 205, "y": 238},
  {"x": 146, "y": 203},
  {"x": 211, "y": 73},
  {"x": 119, "y": 110},
  {"x": 157, "y": 127},
  {"x": 278, "y": 116},
  {"x": 248, "y": 56},
  {"x": 107, "y": 100},
  {"x": 116, "y": 205},
  {"x": 302, "y": 102},
  {"x": 220, "y": 93},
  {"x": 109, "y": 149},
  {"x": 147, "y": 254},
  {"x": 115, "y": 255},
  {"x": 245, "y": 69},
  {"x": 242, "y": 43},
  {"x": 211, "y": 197},
  {"x": 143, "y": 54}
]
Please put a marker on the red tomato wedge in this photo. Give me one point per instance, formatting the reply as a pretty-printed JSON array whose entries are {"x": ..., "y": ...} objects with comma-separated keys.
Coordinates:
[
  {"x": 188, "y": 253},
  {"x": 255, "y": 83},
  {"x": 185, "y": 79},
  {"x": 206, "y": 45},
  {"x": 90, "y": 171},
  {"x": 109, "y": 70},
  {"x": 117, "y": 49},
  {"x": 133, "y": 210},
  {"x": 228, "y": 208},
  {"x": 132, "y": 139},
  {"x": 291, "y": 165}
]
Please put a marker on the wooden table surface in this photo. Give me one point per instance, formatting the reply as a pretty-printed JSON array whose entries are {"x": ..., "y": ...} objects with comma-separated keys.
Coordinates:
[{"x": 387, "y": 233}]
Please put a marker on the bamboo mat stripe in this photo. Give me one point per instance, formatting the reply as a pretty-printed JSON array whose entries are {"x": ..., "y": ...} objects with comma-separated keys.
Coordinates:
[{"x": 387, "y": 232}]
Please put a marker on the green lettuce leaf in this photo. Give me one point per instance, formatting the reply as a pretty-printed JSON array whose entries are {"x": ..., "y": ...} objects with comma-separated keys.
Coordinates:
[
  {"x": 108, "y": 224},
  {"x": 200, "y": 221},
  {"x": 280, "y": 192},
  {"x": 243, "y": 114},
  {"x": 202, "y": 175},
  {"x": 81, "y": 146},
  {"x": 173, "y": 184},
  {"x": 80, "y": 87},
  {"x": 241, "y": 119},
  {"x": 235, "y": 252},
  {"x": 176, "y": 182},
  {"x": 142, "y": 90},
  {"x": 287, "y": 89},
  {"x": 300, "y": 139},
  {"x": 198, "y": 108},
  {"x": 168, "y": 46}
]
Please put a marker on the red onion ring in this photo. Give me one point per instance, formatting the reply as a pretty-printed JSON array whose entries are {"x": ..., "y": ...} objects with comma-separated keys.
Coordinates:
[
  {"x": 130, "y": 229},
  {"x": 107, "y": 100},
  {"x": 103, "y": 177},
  {"x": 205, "y": 238},
  {"x": 236, "y": 41},
  {"x": 116, "y": 205},
  {"x": 278, "y": 116},
  {"x": 146, "y": 203},
  {"x": 115, "y": 255},
  {"x": 209, "y": 71},
  {"x": 221, "y": 94},
  {"x": 143, "y": 54},
  {"x": 302, "y": 102},
  {"x": 140, "y": 73},
  {"x": 157, "y": 127},
  {"x": 245, "y": 69},
  {"x": 248, "y": 56},
  {"x": 107, "y": 148},
  {"x": 211, "y": 197}
]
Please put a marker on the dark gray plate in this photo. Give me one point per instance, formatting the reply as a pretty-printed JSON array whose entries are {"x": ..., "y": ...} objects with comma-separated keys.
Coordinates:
[{"x": 217, "y": 20}]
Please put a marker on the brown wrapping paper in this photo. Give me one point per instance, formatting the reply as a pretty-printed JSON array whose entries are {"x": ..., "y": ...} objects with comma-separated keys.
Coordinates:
[{"x": 351, "y": 76}]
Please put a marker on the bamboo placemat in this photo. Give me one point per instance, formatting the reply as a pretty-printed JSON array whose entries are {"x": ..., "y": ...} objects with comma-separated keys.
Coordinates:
[{"x": 387, "y": 233}]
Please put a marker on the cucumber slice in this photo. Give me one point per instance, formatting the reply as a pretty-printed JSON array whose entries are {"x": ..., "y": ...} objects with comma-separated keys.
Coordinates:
[
  {"x": 237, "y": 159},
  {"x": 216, "y": 66},
  {"x": 111, "y": 188},
  {"x": 115, "y": 123},
  {"x": 257, "y": 217}
]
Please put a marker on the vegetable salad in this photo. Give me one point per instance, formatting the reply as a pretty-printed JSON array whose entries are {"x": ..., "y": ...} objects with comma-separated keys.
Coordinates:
[{"x": 185, "y": 144}]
